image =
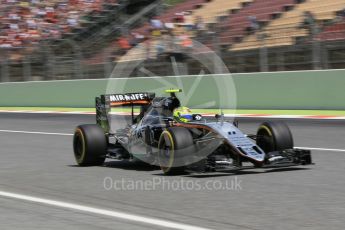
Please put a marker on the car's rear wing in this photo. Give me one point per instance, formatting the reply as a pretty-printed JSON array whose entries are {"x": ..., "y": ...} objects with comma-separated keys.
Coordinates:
[
  {"x": 129, "y": 99},
  {"x": 104, "y": 103}
]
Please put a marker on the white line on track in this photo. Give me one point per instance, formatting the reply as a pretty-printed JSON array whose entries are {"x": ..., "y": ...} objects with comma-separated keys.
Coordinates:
[
  {"x": 306, "y": 117},
  {"x": 103, "y": 212},
  {"x": 70, "y": 134},
  {"x": 40, "y": 133},
  {"x": 322, "y": 149}
]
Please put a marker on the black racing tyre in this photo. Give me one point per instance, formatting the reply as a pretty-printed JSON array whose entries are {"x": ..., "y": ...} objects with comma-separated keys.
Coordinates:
[
  {"x": 274, "y": 136},
  {"x": 89, "y": 145},
  {"x": 175, "y": 144}
]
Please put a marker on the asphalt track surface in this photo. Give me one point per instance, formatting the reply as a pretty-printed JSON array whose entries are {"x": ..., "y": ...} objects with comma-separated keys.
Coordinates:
[{"x": 42, "y": 165}]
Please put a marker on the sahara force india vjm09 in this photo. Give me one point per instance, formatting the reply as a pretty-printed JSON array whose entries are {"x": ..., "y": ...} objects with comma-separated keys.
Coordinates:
[{"x": 171, "y": 136}]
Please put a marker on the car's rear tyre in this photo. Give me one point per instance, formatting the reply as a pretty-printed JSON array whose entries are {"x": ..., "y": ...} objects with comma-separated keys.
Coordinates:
[
  {"x": 274, "y": 136},
  {"x": 89, "y": 145},
  {"x": 174, "y": 145}
]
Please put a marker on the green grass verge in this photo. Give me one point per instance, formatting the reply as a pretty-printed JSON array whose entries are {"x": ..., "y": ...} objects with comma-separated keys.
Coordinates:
[{"x": 226, "y": 111}]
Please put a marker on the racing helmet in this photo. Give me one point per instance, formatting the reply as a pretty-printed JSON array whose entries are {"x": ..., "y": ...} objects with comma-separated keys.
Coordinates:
[{"x": 183, "y": 114}]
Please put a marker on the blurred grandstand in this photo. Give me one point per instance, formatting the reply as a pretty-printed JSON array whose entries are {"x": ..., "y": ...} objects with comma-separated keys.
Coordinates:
[{"x": 71, "y": 39}]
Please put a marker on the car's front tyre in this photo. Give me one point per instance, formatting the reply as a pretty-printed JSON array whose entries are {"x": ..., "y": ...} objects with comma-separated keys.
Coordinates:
[{"x": 274, "y": 136}]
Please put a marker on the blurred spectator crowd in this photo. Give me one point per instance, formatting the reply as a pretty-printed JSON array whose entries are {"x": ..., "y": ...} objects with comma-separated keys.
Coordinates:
[
  {"x": 26, "y": 22},
  {"x": 162, "y": 36}
]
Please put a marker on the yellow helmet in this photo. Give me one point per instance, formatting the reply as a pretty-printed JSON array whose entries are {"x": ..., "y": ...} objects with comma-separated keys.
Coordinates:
[{"x": 183, "y": 114}]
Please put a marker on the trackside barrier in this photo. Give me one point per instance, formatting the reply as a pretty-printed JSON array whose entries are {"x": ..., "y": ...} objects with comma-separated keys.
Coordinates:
[{"x": 321, "y": 90}]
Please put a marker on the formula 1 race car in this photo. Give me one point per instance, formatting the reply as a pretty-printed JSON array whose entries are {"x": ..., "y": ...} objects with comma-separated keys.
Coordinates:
[{"x": 164, "y": 133}]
